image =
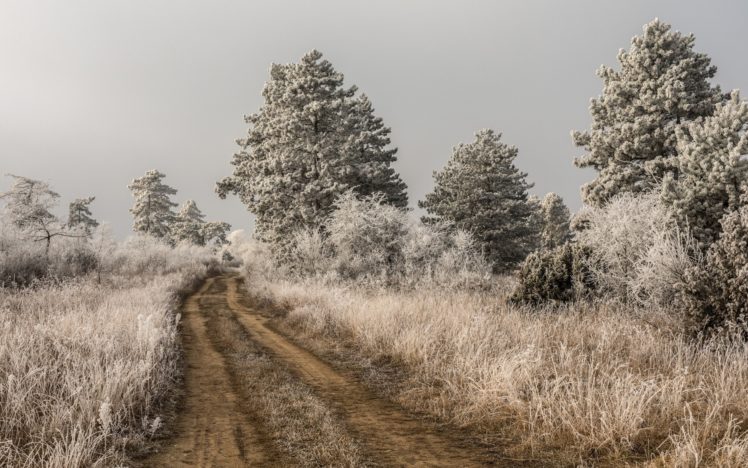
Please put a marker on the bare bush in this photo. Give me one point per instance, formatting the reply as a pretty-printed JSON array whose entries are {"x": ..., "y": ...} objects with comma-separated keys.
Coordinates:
[{"x": 638, "y": 252}]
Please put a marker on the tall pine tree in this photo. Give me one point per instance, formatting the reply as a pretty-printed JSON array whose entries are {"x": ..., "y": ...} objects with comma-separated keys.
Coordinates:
[
  {"x": 312, "y": 140},
  {"x": 662, "y": 84},
  {"x": 481, "y": 191},
  {"x": 153, "y": 209}
]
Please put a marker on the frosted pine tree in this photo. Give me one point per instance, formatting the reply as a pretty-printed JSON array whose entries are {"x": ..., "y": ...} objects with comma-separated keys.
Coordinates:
[
  {"x": 368, "y": 157},
  {"x": 311, "y": 140},
  {"x": 79, "y": 214},
  {"x": 712, "y": 170},
  {"x": 481, "y": 191},
  {"x": 662, "y": 84},
  {"x": 555, "y": 218},
  {"x": 153, "y": 209},
  {"x": 189, "y": 225}
]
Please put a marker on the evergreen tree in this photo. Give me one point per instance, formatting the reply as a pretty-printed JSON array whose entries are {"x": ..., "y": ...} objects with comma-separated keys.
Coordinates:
[
  {"x": 190, "y": 225},
  {"x": 79, "y": 214},
  {"x": 311, "y": 140},
  {"x": 368, "y": 159},
  {"x": 662, "y": 84},
  {"x": 481, "y": 191},
  {"x": 152, "y": 211},
  {"x": 712, "y": 170},
  {"x": 555, "y": 218}
]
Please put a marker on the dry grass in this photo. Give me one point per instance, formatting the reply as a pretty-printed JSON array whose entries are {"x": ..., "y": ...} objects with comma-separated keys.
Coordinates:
[
  {"x": 84, "y": 366},
  {"x": 586, "y": 384}
]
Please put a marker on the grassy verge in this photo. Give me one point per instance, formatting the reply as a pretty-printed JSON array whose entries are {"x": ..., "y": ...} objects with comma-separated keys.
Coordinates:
[
  {"x": 589, "y": 384},
  {"x": 85, "y": 368}
]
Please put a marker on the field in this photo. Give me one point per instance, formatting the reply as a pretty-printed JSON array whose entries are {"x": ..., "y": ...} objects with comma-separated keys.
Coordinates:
[{"x": 589, "y": 381}]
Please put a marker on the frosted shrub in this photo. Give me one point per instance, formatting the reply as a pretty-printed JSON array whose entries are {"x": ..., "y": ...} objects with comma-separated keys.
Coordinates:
[
  {"x": 633, "y": 235},
  {"x": 310, "y": 254},
  {"x": 716, "y": 295},
  {"x": 23, "y": 260},
  {"x": 660, "y": 274},
  {"x": 255, "y": 256},
  {"x": 366, "y": 236},
  {"x": 558, "y": 275},
  {"x": 460, "y": 265}
]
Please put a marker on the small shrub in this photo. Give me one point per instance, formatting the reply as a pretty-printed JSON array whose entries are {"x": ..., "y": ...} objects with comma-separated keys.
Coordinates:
[
  {"x": 716, "y": 294},
  {"x": 558, "y": 275}
]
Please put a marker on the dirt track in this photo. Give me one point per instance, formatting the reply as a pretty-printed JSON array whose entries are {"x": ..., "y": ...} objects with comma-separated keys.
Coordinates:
[{"x": 216, "y": 427}]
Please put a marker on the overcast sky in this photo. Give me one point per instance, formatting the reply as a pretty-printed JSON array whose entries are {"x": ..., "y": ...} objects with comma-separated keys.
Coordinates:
[{"x": 94, "y": 93}]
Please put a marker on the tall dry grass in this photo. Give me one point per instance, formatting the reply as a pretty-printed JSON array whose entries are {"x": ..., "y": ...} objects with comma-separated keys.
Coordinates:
[
  {"x": 585, "y": 384},
  {"x": 85, "y": 362}
]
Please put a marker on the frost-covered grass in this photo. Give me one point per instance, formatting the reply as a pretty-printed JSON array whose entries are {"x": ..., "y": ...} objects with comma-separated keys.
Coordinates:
[
  {"x": 587, "y": 383},
  {"x": 85, "y": 362}
]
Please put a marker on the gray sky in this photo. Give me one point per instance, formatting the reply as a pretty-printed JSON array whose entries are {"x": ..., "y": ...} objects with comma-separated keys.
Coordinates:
[{"x": 94, "y": 93}]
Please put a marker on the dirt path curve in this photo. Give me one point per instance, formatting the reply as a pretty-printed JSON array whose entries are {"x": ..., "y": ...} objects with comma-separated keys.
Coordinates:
[
  {"x": 390, "y": 436},
  {"x": 211, "y": 429}
]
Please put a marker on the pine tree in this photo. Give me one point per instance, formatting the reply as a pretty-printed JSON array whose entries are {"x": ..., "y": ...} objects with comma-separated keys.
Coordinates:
[
  {"x": 712, "y": 170},
  {"x": 187, "y": 224},
  {"x": 79, "y": 214},
  {"x": 662, "y": 84},
  {"x": 152, "y": 211},
  {"x": 311, "y": 140},
  {"x": 190, "y": 225},
  {"x": 368, "y": 160},
  {"x": 481, "y": 191},
  {"x": 555, "y": 218}
]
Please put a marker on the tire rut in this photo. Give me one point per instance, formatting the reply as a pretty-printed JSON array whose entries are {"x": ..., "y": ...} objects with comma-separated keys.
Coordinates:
[
  {"x": 211, "y": 428},
  {"x": 390, "y": 436}
]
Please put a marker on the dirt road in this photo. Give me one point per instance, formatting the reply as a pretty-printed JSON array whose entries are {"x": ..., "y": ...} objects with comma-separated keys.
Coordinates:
[{"x": 220, "y": 427}]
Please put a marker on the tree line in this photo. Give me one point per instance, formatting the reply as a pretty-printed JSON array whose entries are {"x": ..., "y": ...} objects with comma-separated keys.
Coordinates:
[{"x": 659, "y": 128}]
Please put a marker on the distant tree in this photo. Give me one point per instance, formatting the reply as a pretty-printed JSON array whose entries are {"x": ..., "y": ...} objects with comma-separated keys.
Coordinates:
[
  {"x": 152, "y": 211},
  {"x": 187, "y": 224},
  {"x": 555, "y": 218},
  {"x": 662, "y": 85},
  {"x": 28, "y": 205},
  {"x": 79, "y": 215},
  {"x": 190, "y": 225},
  {"x": 311, "y": 141},
  {"x": 482, "y": 192},
  {"x": 215, "y": 232},
  {"x": 712, "y": 170}
]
